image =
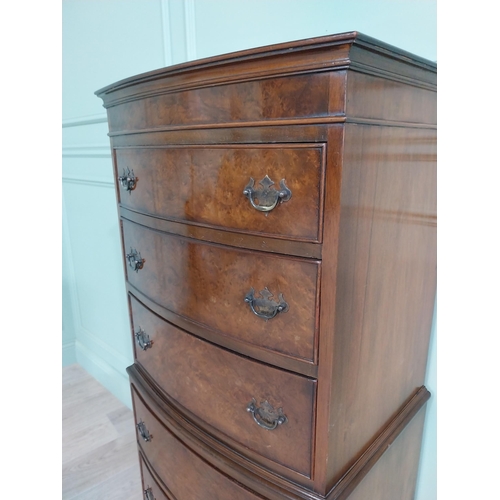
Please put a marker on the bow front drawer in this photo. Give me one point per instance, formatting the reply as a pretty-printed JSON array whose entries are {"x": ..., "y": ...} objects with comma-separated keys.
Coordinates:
[
  {"x": 256, "y": 298},
  {"x": 184, "y": 473},
  {"x": 253, "y": 406},
  {"x": 272, "y": 190},
  {"x": 150, "y": 488}
]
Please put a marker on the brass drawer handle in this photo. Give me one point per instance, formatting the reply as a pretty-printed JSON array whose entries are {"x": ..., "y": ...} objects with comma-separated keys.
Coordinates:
[
  {"x": 148, "y": 494},
  {"x": 134, "y": 260},
  {"x": 266, "y": 416},
  {"x": 141, "y": 427},
  {"x": 128, "y": 181},
  {"x": 143, "y": 340},
  {"x": 265, "y": 199},
  {"x": 264, "y": 307}
]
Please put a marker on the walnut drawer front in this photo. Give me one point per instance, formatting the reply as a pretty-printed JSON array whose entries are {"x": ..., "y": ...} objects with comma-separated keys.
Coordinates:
[
  {"x": 205, "y": 185},
  {"x": 150, "y": 488},
  {"x": 208, "y": 284},
  {"x": 217, "y": 386},
  {"x": 185, "y": 474}
]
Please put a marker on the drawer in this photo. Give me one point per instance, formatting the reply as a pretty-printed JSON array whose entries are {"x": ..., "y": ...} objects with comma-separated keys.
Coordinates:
[
  {"x": 204, "y": 185},
  {"x": 151, "y": 489},
  {"x": 217, "y": 386},
  {"x": 208, "y": 284},
  {"x": 184, "y": 473}
]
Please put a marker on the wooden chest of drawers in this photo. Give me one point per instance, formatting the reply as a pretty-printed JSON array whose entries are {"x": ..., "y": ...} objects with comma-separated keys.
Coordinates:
[{"x": 278, "y": 218}]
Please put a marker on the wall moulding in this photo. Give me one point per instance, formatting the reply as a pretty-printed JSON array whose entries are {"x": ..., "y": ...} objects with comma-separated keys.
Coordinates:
[
  {"x": 84, "y": 120},
  {"x": 88, "y": 151}
]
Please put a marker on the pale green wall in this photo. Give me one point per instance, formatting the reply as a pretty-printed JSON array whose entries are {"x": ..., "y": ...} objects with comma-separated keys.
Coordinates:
[
  {"x": 229, "y": 25},
  {"x": 107, "y": 40}
]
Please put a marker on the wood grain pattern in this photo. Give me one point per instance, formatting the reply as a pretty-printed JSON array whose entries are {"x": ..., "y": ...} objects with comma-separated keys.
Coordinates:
[
  {"x": 217, "y": 385},
  {"x": 188, "y": 476},
  {"x": 204, "y": 185},
  {"x": 301, "y": 367},
  {"x": 208, "y": 284},
  {"x": 302, "y": 131},
  {"x": 375, "y": 98},
  {"x": 304, "y": 96},
  {"x": 386, "y": 271}
]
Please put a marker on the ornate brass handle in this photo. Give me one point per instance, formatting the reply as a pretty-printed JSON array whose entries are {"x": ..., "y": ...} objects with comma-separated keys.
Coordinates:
[
  {"x": 141, "y": 427},
  {"x": 266, "y": 416},
  {"x": 142, "y": 339},
  {"x": 128, "y": 181},
  {"x": 264, "y": 307},
  {"x": 265, "y": 199},
  {"x": 148, "y": 494},
  {"x": 134, "y": 260}
]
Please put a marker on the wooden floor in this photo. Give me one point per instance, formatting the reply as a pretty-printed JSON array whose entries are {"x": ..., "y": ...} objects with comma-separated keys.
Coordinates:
[{"x": 99, "y": 454}]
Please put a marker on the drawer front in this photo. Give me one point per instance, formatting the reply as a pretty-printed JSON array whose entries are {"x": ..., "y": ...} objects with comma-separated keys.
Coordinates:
[
  {"x": 217, "y": 386},
  {"x": 151, "y": 489},
  {"x": 185, "y": 474},
  {"x": 208, "y": 284},
  {"x": 312, "y": 95},
  {"x": 205, "y": 185}
]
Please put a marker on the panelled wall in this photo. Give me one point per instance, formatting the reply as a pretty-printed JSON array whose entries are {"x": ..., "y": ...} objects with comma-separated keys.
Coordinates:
[{"x": 107, "y": 41}]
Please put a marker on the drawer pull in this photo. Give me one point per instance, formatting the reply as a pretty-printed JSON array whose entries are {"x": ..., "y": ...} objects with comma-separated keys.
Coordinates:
[
  {"x": 141, "y": 427},
  {"x": 134, "y": 260},
  {"x": 148, "y": 494},
  {"x": 142, "y": 339},
  {"x": 264, "y": 307},
  {"x": 265, "y": 199},
  {"x": 128, "y": 181},
  {"x": 266, "y": 416}
]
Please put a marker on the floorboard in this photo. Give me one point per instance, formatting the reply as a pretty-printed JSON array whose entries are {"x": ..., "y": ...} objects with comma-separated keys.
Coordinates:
[{"x": 99, "y": 451}]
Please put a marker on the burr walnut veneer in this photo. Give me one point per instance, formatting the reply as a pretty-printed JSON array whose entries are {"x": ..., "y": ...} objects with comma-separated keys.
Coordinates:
[{"x": 278, "y": 219}]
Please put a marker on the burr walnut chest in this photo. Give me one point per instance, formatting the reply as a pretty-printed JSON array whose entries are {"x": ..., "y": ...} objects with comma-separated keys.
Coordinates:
[{"x": 278, "y": 219}]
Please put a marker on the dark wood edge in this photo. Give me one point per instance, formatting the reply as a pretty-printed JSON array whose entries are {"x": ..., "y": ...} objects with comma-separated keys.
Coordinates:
[
  {"x": 339, "y": 64},
  {"x": 263, "y": 52},
  {"x": 345, "y": 486},
  {"x": 389, "y": 123},
  {"x": 210, "y": 135},
  {"x": 272, "y": 145},
  {"x": 256, "y": 478},
  {"x": 234, "y": 239},
  {"x": 271, "y": 51},
  {"x": 261, "y": 123},
  {"x": 159, "y": 482},
  {"x": 276, "y": 123},
  {"x": 243, "y": 77},
  {"x": 389, "y": 75},
  {"x": 388, "y": 50},
  {"x": 267, "y": 356}
]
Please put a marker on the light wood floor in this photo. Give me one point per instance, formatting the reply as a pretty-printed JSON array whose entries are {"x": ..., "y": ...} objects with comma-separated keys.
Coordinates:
[{"x": 99, "y": 454}]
